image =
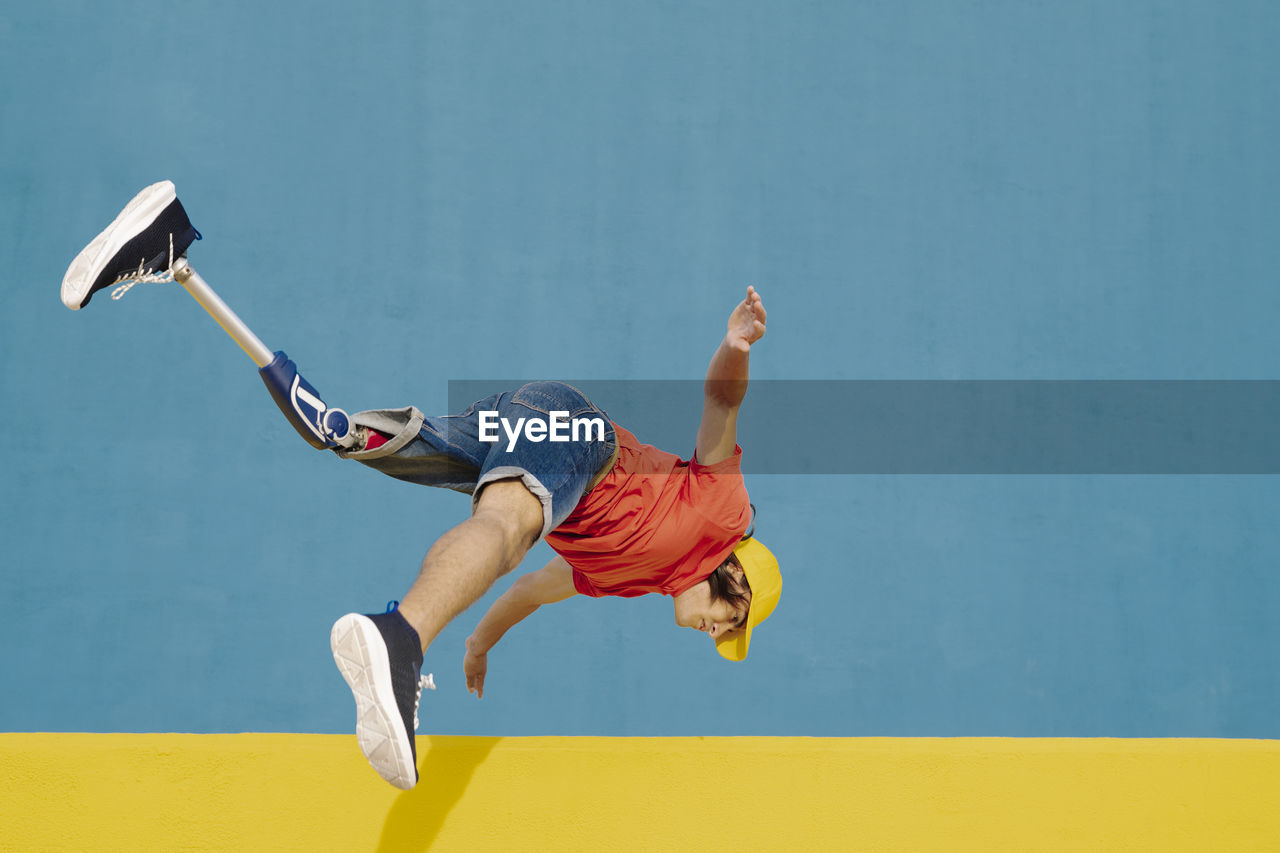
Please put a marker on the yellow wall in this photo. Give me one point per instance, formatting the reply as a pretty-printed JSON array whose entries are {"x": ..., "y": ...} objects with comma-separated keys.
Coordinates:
[{"x": 136, "y": 792}]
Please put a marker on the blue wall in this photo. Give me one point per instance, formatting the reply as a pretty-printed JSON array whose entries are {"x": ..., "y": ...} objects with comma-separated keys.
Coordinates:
[{"x": 422, "y": 192}]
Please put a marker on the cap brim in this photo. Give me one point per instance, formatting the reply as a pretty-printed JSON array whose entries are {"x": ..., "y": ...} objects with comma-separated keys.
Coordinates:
[
  {"x": 735, "y": 646},
  {"x": 761, "y": 569}
]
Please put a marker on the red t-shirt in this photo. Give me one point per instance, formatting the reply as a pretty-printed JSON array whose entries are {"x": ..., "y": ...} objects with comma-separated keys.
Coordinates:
[{"x": 655, "y": 523}]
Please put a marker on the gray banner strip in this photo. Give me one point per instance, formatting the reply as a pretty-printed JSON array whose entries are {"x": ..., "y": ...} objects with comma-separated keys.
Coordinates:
[{"x": 961, "y": 427}]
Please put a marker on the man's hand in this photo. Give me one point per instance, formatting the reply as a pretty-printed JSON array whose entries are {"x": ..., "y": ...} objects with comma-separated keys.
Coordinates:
[
  {"x": 746, "y": 323},
  {"x": 474, "y": 666}
]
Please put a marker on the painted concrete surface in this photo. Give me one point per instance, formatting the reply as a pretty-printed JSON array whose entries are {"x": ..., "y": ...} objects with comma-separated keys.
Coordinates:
[{"x": 314, "y": 792}]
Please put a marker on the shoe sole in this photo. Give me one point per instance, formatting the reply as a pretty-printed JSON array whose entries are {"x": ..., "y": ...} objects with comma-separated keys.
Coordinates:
[
  {"x": 361, "y": 656},
  {"x": 140, "y": 212}
]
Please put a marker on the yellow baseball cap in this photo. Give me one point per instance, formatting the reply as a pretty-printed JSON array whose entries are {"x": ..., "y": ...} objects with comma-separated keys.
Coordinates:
[{"x": 761, "y": 569}]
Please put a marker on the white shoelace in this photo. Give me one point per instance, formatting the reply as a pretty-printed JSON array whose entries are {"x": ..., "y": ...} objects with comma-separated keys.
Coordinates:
[
  {"x": 141, "y": 276},
  {"x": 426, "y": 682}
]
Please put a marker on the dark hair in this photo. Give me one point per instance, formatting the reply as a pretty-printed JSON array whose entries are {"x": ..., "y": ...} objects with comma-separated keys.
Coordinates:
[{"x": 731, "y": 586}]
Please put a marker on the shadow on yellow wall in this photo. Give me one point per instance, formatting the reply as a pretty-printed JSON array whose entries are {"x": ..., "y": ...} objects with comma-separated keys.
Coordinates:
[{"x": 444, "y": 772}]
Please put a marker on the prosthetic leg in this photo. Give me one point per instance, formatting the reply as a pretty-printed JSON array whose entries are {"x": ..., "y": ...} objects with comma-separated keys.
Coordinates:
[
  {"x": 322, "y": 426},
  {"x": 147, "y": 242}
]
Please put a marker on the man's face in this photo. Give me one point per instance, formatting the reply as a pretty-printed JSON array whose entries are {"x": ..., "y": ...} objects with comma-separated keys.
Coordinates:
[{"x": 695, "y": 609}]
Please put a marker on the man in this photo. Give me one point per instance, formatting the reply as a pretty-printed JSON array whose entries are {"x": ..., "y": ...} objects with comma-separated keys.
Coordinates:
[{"x": 625, "y": 519}]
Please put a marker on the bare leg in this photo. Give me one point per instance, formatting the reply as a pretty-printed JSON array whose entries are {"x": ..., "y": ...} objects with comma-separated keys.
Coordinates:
[
  {"x": 377, "y": 655},
  {"x": 464, "y": 562}
]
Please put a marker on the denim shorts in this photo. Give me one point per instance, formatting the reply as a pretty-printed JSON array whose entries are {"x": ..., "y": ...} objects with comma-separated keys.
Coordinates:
[{"x": 450, "y": 452}]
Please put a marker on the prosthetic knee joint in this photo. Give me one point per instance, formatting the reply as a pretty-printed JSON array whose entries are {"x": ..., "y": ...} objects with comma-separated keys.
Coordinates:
[{"x": 322, "y": 427}]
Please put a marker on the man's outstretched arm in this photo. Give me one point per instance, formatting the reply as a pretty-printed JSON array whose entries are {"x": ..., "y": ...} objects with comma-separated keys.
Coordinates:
[
  {"x": 549, "y": 584},
  {"x": 727, "y": 377}
]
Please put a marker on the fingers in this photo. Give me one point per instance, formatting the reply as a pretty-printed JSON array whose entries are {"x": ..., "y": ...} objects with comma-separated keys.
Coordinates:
[
  {"x": 755, "y": 303},
  {"x": 475, "y": 680},
  {"x": 747, "y": 322}
]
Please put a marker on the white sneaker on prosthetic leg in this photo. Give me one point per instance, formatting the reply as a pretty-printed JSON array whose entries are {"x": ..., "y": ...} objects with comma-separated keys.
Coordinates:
[{"x": 151, "y": 231}]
